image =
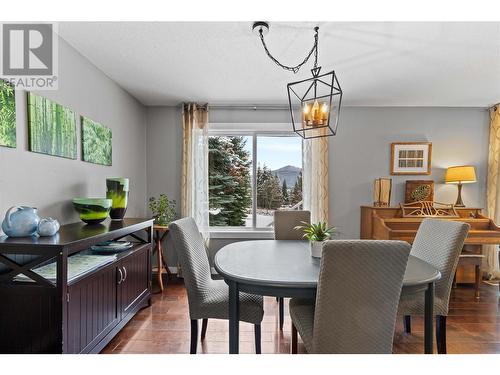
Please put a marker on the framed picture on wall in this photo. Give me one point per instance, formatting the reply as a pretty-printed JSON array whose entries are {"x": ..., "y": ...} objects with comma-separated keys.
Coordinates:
[{"x": 411, "y": 158}]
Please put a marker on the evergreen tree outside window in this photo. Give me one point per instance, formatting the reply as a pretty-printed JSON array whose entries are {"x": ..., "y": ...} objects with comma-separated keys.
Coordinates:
[{"x": 234, "y": 191}]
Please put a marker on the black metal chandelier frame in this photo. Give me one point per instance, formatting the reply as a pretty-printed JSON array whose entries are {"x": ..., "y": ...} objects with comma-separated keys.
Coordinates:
[{"x": 328, "y": 82}]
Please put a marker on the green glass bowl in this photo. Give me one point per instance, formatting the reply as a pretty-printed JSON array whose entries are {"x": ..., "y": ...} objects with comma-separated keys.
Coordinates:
[{"x": 92, "y": 210}]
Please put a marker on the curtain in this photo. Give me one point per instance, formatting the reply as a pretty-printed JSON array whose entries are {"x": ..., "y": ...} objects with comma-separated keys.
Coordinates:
[
  {"x": 194, "y": 186},
  {"x": 493, "y": 190},
  {"x": 315, "y": 178}
]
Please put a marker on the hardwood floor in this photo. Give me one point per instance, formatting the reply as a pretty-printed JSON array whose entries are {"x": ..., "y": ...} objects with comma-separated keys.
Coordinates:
[{"x": 472, "y": 327}]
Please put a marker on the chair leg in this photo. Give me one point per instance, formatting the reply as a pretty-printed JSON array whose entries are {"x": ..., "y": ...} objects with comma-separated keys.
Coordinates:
[
  {"x": 294, "y": 339},
  {"x": 282, "y": 312},
  {"x": 441, "y": 334},
  {"x": 194, "y": 336},
  {"x": 407, "y": 323},
  {"x": 478, "y": 280},
  {"x": 204, "y": 326},
  {"x": 257, "y": 338}
]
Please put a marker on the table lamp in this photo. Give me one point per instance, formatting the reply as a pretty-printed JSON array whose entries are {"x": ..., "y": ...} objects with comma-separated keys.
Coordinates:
[{"x": 463, "y": 174}]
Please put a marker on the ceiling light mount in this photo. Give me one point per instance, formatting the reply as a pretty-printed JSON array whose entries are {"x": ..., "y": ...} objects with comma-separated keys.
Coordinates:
[
  {"x": 260, "y": 27},
  {"x": 314, "y": 102}
]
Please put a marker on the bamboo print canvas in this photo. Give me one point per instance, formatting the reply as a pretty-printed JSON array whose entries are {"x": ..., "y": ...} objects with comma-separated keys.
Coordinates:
[
  {"x": 7, "y": 115},
  {"x": 52, "y": 127},
  {"x": 96, "y": 142}
]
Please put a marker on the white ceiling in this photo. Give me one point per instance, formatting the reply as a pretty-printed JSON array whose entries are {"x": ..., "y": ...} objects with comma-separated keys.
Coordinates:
[{"x": 378, "y": 64}]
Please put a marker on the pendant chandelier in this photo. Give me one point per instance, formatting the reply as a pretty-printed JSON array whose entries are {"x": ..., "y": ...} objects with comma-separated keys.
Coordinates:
[{"x": 314, "y": 102}]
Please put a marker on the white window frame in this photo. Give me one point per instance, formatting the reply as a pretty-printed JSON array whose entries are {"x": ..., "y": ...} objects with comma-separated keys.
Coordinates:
[{"x": 254, "y": 131}]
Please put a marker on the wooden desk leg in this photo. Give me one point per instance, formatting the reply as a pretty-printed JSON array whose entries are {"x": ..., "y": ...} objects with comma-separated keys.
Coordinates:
[
  {"x": 159, "y": 260},
  {"x": 478, "y": 280},
  {"x": 164, "y": 261}
]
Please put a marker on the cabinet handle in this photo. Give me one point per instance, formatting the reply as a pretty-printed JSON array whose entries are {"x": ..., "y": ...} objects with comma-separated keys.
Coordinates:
[
  {"x": 125, "y": 271},
  {"x": 121, "y": 276}
]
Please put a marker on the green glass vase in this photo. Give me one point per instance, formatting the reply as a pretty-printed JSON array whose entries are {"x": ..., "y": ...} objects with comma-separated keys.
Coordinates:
[{"x": 117, "y": 190}]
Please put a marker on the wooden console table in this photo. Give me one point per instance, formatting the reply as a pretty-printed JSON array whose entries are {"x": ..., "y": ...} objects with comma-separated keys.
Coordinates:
[{"x": 76, "y": 314}]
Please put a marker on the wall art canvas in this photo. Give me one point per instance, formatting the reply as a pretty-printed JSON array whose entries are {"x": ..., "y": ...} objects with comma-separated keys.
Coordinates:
[
  {"x": 96, "y": 142},
  {"x": 7, "y": 115},
  {"x": 52, "y": 127},
  {"x": 411, "y": 158}
]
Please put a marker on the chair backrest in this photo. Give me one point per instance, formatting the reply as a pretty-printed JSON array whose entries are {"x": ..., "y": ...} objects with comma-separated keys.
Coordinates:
[
  {"x": 285, "y": 222},
  {"x": 358, "y": 295},
  {"x": 193, "y": 258},
  {"x": 439, "y": 242}
]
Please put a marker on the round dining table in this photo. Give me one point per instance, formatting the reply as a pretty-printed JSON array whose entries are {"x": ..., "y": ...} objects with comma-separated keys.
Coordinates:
[{"x": 285, "y": 268}]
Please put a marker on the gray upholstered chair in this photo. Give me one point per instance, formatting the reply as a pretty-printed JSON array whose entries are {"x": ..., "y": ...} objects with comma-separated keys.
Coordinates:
[
  {"x": 357, "y": 298},
  {"x": 438, "y": 242},
  {"x": 285, "y": 222},
  {"x": 208, "y": 298}
]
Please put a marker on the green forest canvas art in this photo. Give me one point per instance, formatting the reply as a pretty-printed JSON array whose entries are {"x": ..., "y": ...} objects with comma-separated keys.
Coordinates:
[
  {"x": 7, "y": 115},
  {"x": 52, "y": 127},
  {"x": 96, "y": 142}
]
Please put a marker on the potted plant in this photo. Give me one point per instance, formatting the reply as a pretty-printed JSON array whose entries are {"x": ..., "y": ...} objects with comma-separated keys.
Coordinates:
[
  {"x": 316, "y": 234},
  {"x": 163, "y": 209}
]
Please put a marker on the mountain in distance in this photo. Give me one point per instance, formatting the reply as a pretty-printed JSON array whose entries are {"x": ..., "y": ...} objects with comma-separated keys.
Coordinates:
[{"x": 289, "y": 174}]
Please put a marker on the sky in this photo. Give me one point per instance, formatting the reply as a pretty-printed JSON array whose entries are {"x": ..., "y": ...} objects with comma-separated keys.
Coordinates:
[{"x": 277, "y": 152}]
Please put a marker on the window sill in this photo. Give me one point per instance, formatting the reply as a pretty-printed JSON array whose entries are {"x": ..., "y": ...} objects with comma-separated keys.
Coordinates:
[{"x": 242, "y": 234}]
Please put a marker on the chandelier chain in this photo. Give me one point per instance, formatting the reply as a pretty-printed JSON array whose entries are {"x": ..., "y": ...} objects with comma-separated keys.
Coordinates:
[{"x": 295, "y": 68}]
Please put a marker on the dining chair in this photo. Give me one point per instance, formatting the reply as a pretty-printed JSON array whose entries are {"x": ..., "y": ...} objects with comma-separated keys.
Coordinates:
[
  {"x": 285, "y": 222},
  {"x": 438, "y": 242},
  {"x": 357, "y": 298},
  {"x": 207, "y": 298}
]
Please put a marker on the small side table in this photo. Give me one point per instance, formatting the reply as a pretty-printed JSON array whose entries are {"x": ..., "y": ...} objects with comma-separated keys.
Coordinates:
[{"x": 159, "y": 235}]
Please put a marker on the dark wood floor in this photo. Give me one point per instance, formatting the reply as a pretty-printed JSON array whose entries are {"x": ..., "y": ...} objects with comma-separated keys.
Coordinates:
[{"x": 473, "y": 327}]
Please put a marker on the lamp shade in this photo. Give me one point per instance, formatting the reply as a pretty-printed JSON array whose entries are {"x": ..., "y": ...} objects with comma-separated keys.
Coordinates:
[{"x": 461, "y": 174}]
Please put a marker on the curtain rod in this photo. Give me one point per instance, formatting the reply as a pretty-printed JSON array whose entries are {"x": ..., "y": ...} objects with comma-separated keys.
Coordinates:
[{"x": 248, "y": 107}]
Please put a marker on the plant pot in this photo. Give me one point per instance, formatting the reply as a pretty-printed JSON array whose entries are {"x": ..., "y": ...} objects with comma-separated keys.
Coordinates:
[{"x": 316, "y": 248}]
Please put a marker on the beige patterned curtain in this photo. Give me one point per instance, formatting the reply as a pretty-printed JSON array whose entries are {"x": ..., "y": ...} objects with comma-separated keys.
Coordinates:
[
  {"x": 315, "y": 178},
  {"x": 493, "y": 190},
  {"x": 194, "y": 187}
]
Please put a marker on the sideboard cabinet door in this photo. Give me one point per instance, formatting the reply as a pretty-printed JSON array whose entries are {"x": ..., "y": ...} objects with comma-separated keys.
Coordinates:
[
  {"x": 92, "y": 310},
  {"x": 135, "y": 284}
]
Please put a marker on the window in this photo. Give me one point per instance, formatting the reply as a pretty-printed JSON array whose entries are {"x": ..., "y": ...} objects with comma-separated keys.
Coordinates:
[{"x": 251, "y": 175}]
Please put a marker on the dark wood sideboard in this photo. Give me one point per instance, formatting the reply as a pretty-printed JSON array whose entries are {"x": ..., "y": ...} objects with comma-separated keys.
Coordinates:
[{"x": 80, "y": 315}]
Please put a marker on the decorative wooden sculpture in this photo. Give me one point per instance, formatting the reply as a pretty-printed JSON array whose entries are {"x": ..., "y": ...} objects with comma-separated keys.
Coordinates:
[
  {"x": 428, "y": 209},
  {"x": 382, "y": 192},
  {"x": 419, "y": 190}
]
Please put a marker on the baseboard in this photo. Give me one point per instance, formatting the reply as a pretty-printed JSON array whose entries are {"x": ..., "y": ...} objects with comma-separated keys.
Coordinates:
[{"x": 494, "y": 282}]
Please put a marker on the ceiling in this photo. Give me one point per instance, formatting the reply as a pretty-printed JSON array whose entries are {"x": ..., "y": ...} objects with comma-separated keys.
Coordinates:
[{"x": 378, "y": 64}]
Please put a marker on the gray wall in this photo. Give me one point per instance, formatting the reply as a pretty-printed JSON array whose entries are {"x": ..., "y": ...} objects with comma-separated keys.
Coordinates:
[
  {"x": 361, "y": 152},
  {"x": 50, "y": 182},
  {"x": 358, "y": 154},
  {"x": 164, "y": 160}
]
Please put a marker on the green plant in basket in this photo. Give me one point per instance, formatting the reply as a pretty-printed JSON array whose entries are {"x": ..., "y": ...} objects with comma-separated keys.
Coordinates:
[
  {"x": 316, "y": 232},
  {"x": 163, "y": 209}
]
